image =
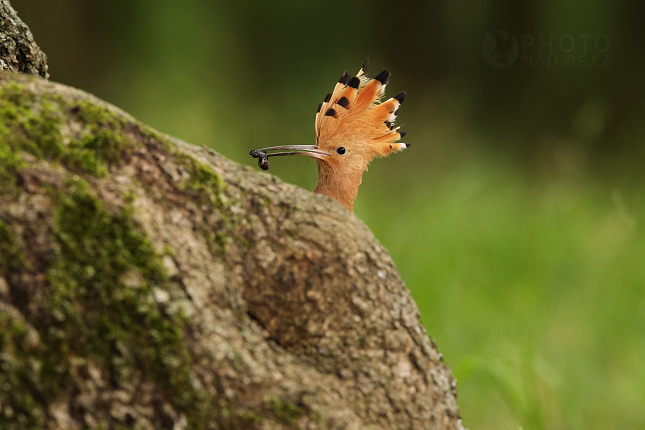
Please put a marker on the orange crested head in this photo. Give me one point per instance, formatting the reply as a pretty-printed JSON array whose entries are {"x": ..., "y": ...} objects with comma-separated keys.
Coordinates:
[{"x": 352, "y": 128}]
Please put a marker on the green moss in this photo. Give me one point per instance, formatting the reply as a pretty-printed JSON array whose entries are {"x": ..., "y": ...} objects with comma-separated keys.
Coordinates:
[
  {"x": 98, "y": 308},
  {"x": 204, "y": 182},
  {"x": 216, "y": 239},
  {"x": 103, "y": 143},
  {"x": 21, "y": 383},
  {"x": 12, "y": 256},
  {"x": 10, "y": 162},
  {"x": 249, "y": 419},
  {"x": 21, "y": 354},
  {"x": 102, "y": 289},
  {"x": 206, "y": 187},
  {"x": 168, "y": 250},
  {"x": 96, "y": 114},
  {"x": 285, "y": 412},
  {"x": 33, "y": 124},
  {"x": 29, "y": 124}
]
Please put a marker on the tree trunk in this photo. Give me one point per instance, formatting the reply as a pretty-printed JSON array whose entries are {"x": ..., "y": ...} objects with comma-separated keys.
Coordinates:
[
  {"x": 147, "y": 283},
  {"x": 18, "y": 51}
]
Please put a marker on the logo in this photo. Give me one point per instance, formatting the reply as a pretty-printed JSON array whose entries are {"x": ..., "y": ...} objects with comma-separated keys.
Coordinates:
[{"x": 500, "y": 48}]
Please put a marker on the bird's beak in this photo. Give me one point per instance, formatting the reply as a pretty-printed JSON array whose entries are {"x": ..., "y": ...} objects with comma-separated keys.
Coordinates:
[{"x": 306, "y": 150}]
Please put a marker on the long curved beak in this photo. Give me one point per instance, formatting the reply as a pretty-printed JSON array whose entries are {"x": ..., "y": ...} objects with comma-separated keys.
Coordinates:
[{"x": 306, "y": 150}]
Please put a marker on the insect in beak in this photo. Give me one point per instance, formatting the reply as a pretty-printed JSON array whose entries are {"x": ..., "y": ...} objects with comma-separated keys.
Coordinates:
[{"x": 306, "y": 150}]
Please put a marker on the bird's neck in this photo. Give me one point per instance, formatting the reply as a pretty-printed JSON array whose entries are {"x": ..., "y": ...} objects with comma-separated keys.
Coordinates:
[{"x": 340, "y": 186}]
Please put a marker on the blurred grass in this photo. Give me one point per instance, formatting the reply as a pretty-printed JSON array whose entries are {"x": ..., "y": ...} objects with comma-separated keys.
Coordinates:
[
  {"x": 532, "y": 289},
  {"x": 516, "y": 218}
]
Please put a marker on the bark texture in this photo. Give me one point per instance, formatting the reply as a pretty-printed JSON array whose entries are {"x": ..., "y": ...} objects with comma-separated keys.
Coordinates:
[
  {"x": 18, "y": 50},
  {"x": 147, "y": 283}
]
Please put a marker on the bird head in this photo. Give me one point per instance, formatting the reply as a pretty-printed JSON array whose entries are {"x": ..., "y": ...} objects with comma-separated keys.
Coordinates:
[{"x": 352, "y": 128}]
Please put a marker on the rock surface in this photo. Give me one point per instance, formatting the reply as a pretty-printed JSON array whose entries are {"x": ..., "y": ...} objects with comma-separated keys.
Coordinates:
[{"x": 147, "y": 283}]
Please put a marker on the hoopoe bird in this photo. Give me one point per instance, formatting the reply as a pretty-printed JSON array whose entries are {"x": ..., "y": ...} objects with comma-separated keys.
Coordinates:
[{"x": 352, "y": 128}]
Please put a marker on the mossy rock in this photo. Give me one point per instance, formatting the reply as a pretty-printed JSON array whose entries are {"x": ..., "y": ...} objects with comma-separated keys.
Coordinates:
[{"x": 146, "y": 283}]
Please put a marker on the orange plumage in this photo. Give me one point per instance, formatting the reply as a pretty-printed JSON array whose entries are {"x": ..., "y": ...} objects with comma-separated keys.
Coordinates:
[{"x": 352, "y": 128}]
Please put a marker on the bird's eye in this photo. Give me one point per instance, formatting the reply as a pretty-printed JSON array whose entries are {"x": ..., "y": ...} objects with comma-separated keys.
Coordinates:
[{"x": 340, "y": 150}]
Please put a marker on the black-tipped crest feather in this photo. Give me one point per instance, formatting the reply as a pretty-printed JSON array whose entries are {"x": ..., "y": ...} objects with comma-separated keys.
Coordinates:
[
  {"x": 354, "y": 82},
  {"x": 383, "y": 77},
  {"x": 400, "y": 97}
]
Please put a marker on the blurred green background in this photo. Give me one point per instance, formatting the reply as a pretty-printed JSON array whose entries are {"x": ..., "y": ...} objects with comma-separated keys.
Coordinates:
[{"x": 516, "y": 219}]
